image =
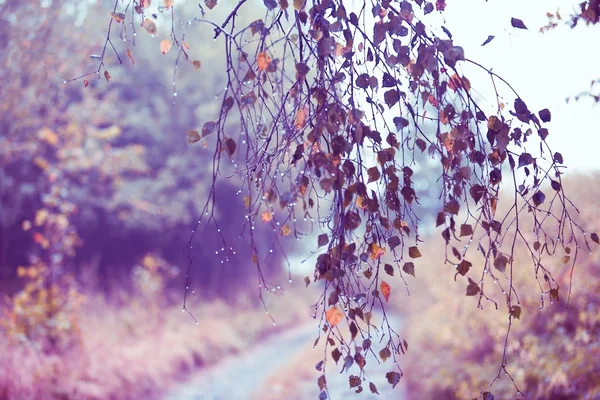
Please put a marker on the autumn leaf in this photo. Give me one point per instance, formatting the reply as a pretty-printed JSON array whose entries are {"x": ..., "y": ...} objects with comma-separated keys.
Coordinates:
[
  {"x": 192, "y": 137},
  {"x": 165, "y": 46},
  {"x": 130, "y": 56},
  {"x": 515, "y": 311},
  {"x": 210, "y": 4},
  {"x": 118, "y": 16},
  {"x": 376, "y": 251},
  {"x": 169, "y": 3},
  {"x": 386, "y": 290},
  {"x": 413, "y": 252},
  {"x": 263, "y": 60},
  {"x": 267, "y": 216},
  {"x": 149, "y": 26},
  {"x": 285, "y": 230},
  {"x": 334, "y": 316},
  {"x": 106, "y": 75},
  {"x": 298, "y": 4},
  {"x": 196, "y": 64},
  {"x": 301, "y": 116}
]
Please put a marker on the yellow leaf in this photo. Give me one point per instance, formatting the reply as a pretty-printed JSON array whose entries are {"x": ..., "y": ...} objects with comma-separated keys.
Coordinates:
[
  {"x": 298, "y": 4},
  {"x": 169, "y": 3},
  {"x": 361, "y": 202},
  {"x": 334, "y": 316},
  {"x": 41, "y": 163},
  {"x": 165, "y": 46},
  {"x": 40, "y": 216},
  {"x": 48, "y": 136},
  {"x": 263, "y": 60},
  {"x": 285, "y": 230},
  {"x": 247, "y": 201},
  {"x": 267, "y": 216},
  {"x": 386, "y": 290},
  {"x": 376, "y": 251}
]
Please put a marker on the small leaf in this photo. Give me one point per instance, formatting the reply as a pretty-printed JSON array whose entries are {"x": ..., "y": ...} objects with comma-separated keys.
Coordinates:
[
  {"x": 554, "y": 294},
  {"x": 466, "y": 230},
  {"x": 334, "y": 316},
  {"x": 267, "y": 216},
  {"x": 196, "y": 65},
  {"x": 463, "y": 267},
  {"x": 488, "y": 396},
  {"x": 263, "y": 60},
  {"x": 373, "y": 174},
  {"x": 192, "y": 136},
  {"x": 106, "y": 75},
  {"x": 489, "y": 39},
  {"x": 409, "y": 268},
  {"x": 165, "y": 46},
  {"x": 517, "y": 23},
  {"x": 393, "y": 378},
  {"x": 208, "y": 128},
  {"x": 472, "y": 288},
  {"x": 118, "y": 16},
  {"x": 336, "y": 355},
  {"x": 525, "y": 159},
  {"x": 322, "y": 382},
  {"x": 230, "y": 146},
  {"x": 130, "y": 56},
  {"x": 389, "y": 269},
  {"x": 210, "y": 4},
  {"x": 500, "y": 262},
  {"x": 354, "y": 381},
  {"x": 386, "y": 290},
  {"x": 594, "y": 237},
  {"x": 384, "y": 354},
  {"x": 545, "y": 115},
  {"x": 373, "y": 388},
  {"x": 538, "y": 198},
  {"x": 149, "y": 26},
  {"x": 414, "y": 252},
  {"x": 319, "y": 366},
  {"x": 322, "y": 240},
  {"x": 353, "y": 330},
  {"x": 515, "y": 311}
]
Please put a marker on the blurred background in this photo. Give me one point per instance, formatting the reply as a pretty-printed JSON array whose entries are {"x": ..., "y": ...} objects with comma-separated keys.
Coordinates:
[{"x": 99, "y": 192}]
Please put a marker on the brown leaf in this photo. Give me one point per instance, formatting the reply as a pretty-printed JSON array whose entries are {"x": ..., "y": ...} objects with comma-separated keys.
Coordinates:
[
  {"x": 515, "y": 311},
  {"x": 409, "y": 268},
  {"x": 106, "y": 75},
  {"x": 414, "y": 252}
]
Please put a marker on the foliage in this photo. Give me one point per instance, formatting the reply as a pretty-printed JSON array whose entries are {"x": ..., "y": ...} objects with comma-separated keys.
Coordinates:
[
  {"x": 552, "y": 353},
  {"x": 320, "y": 125}
]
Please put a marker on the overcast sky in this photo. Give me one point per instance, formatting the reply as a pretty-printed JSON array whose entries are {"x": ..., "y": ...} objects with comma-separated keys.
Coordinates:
[{"x": 543, "y": 68}]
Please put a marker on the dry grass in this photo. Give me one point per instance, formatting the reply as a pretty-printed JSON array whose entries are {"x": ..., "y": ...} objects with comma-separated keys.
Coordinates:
[{"x": 138, "y": 350}]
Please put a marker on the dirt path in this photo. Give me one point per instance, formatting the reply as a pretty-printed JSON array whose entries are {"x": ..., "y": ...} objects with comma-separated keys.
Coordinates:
[{"x": 238, "y": 377}]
